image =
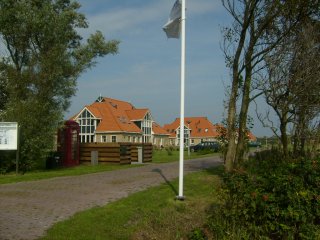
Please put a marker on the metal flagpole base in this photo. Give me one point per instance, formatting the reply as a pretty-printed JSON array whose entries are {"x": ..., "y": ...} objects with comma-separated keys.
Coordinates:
[{"x": 180, "y": 198}]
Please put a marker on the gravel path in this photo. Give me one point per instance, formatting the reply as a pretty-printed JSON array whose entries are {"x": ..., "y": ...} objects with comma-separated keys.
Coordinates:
[{"x": 28, "y": 209}]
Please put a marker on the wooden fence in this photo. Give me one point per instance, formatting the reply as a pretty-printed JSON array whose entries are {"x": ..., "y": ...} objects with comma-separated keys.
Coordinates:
[{"x": 118, "y": 153}]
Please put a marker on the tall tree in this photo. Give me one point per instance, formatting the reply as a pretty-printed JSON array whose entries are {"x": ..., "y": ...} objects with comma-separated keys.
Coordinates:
[
  {"x": 246, "y": 45},
  {"x": 292, "y": 84},
  {"x": 244, "y": 49},
  {"x": 305, "y": 70},
  {"x": 45, "y": 56}
]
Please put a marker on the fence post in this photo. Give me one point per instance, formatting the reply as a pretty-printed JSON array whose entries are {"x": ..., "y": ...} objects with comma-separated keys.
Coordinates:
[{"x": 94, "y": 158}]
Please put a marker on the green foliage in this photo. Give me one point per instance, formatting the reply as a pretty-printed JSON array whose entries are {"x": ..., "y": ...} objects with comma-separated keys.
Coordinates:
[
  {"x": 7, "y": 161},
  {"x": 44, "y": 57},
  {"x": 271, "y": 198},
  {"x": 197, "y": 234}
]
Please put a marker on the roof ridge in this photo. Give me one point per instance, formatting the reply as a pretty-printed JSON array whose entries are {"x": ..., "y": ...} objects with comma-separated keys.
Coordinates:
[{"x": 118, "y": 100}]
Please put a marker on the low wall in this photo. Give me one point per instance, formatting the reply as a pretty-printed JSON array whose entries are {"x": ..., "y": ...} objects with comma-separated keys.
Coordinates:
[{"x": 118, "y": 153}]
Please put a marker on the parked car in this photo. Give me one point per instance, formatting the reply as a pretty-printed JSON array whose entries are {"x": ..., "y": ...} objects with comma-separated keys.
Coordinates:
[
  {"x": 214, "y": 146},
  {"x": 254, "y": 144}
]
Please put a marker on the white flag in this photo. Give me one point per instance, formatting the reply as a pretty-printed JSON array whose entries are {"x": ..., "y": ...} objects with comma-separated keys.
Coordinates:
[{"x": 172, "y": 27}]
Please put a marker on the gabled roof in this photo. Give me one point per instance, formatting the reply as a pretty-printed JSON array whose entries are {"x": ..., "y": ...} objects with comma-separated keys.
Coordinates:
[
  {"x": 137, "y": 114},
  {"x": 199, "y": 127},
  {"x": 158, "y": 130},
  {"x": 115, "y": 115}
]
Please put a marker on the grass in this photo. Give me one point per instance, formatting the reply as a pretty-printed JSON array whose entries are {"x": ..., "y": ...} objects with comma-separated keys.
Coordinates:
[
  {"x": 61, "y": 172},
  {"x": 158, "y": 157},
  {"x": 162, "y": 156},
  {"x": 150, "y": 214}
]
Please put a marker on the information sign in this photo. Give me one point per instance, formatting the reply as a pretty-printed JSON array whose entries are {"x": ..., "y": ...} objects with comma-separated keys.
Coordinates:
[{"x": 8, "y": 136}]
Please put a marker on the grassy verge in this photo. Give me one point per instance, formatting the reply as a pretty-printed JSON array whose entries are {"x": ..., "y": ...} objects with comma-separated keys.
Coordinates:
[
  {"x": 151, "y": 214},
  {"x": 158, "y": 157},
  {"x": 162, "y": 156},
  {"x": 61, "y": 172}
]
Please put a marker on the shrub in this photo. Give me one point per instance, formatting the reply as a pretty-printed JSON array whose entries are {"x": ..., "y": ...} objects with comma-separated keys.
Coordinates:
[
  {"x": 169, "y": 151},
  {"x": 272, "y": 198},
  {"x": 7, "y": 161},
  {"x": 197, "y": 234}
]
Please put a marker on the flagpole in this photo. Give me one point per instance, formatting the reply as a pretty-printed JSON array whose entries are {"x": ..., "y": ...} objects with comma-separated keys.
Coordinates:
[{"x": 182, "y": 94}]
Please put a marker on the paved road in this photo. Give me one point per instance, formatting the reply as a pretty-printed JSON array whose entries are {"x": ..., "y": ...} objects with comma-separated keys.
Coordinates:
[{"x": 28, "y": 209}]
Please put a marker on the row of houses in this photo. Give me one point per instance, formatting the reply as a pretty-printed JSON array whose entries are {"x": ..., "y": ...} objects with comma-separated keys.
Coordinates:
[{"x": 112, "y": 120}]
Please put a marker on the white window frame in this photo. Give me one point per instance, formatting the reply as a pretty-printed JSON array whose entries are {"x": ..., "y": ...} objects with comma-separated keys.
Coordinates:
[{"x": 88, "y": 125}]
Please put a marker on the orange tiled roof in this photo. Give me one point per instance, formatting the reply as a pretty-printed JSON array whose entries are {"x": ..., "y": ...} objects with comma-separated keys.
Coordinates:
[
  {"x": 137, "y": 114},
  {"x": 199, "y": 126},
  {"x": 115, "y": 115},
  {"x": 158, "y": 130},
  {"x": 251, "y": 137}
]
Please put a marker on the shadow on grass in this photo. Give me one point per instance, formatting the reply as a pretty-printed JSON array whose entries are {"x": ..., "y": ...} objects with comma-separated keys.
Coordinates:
[{"x": 157, "y": 170}]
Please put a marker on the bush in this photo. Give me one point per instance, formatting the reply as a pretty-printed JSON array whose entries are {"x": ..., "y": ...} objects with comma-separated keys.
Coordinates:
[
  {"x": 271, "y": 198},
  {"x": 7, "y": 161},
  {"x": 197, "y": 234},
  {"x": 169, "y": 150}
]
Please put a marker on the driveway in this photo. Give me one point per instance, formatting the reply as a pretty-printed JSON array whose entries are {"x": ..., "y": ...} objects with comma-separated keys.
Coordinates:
[{"x": 28, "y": 209}]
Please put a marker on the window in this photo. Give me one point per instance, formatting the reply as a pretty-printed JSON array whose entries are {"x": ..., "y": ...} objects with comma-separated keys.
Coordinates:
[
  {"x": 146, "y": 127},
  {"x": 104, "y": 138},
  {"x": 113, "y": 139},
  {"x": 88, "y": 124}
]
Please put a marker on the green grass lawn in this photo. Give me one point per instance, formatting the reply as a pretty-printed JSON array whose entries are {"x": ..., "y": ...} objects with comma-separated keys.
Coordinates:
[
  {"x": 61, "y": 172},
  {"x": 150, "y": 214},
  {"x": 162, "y": 156},
  {"x": 158, "y": 157}
]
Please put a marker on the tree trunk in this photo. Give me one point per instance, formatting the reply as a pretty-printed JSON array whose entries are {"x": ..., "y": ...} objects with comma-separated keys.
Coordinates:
[
  {"x": 284, "y": 138},
  {"x": 243, "y": 122},
  {"x": 232, "y": 147},
  {"x": 231, "y": 121},
  {"x": 240, "y": 155}
]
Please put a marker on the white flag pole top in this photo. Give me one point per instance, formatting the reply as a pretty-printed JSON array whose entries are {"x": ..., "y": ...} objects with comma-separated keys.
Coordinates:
[
  {"x": 175, "y": 27},
  {"x": 172, "y": 27}
]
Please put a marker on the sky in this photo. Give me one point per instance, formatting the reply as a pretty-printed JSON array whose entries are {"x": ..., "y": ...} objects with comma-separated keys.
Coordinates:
[{"x": 146, "y": 71}]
